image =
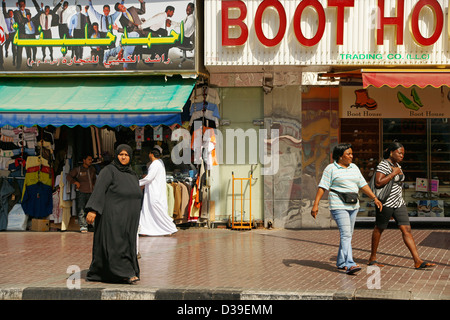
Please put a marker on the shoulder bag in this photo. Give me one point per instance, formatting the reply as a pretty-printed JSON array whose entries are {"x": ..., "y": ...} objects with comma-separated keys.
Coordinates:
[{"x": 381, "y": 193}]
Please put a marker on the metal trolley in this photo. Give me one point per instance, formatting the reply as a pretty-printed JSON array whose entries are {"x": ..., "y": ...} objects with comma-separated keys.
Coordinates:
[{"x": 241, "y": 223}]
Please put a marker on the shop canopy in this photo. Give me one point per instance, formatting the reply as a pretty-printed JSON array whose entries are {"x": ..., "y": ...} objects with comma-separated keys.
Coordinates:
[
  {"x": 394, "y": 77},
  {"x": 89, "y": 101},
  {"x": 405, "y": 78}
]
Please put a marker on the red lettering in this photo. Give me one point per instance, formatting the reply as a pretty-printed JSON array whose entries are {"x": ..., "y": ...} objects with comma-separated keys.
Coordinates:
[
  {"x": 258, "y": 22},
  {"x": 321, "y": 26},
  {"x": 341, "y": 5},
  {"x": 227, "y": 22},
  {"x": 439, "y": 17},
  {"x": 397, "y": 21}
]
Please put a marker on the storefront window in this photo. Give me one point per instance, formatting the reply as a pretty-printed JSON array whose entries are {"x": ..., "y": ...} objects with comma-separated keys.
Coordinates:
[
  {"x": 412, "y": 134},
  {"x": 440, "y": 150},
  {"x": 364, "y": 136},
  {"x": 426, "y": 164}
]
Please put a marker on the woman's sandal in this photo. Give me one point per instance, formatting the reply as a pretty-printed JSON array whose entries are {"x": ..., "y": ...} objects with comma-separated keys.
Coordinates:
[
  {"x": 425, "y": 265},
  {"x": 353, "y": 270},
  {"x": 375, "y": 263},
  {"x": 132, "y": 280},
  {"x": 345, "y": 268}
]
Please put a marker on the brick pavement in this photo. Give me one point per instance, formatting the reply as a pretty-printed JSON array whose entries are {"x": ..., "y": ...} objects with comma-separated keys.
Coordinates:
[{"x": 202, "y": 263}]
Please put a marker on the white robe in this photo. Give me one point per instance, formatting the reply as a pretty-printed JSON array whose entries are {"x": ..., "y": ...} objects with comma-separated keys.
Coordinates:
[{"x": 155, "y": 220}]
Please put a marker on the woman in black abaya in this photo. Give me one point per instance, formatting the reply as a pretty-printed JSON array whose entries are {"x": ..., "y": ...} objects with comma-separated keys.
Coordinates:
[{"x": 115, "y": 206}]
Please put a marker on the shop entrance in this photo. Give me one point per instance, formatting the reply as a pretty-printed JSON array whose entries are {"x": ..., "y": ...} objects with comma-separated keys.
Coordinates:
[{"x": 52, "y": 152}]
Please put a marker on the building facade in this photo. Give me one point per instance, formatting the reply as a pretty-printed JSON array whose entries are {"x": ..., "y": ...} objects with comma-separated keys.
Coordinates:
[
  {"x": 81, "y": 78},
  {"x": 322, "y": 72}
]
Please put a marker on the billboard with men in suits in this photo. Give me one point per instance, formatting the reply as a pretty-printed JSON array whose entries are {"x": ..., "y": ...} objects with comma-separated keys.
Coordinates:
[{"x": 97, "y": 36}]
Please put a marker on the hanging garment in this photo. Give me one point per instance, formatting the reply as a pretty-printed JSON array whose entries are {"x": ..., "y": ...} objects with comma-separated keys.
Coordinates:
[
  {"x": 199, "y": 115},
  {"x": 37, "y": 200},
  {"x": 108, "y": 140},
  {"x": 170, "y": 199},
  {"x": 203, "y": 144},
  {"x": 68, "y": 190},
  {"x": 184, "y": 208},
  {"x": 94, "y": 143},
  {"x": 177, "y": 201},
  {"x": 6, "y": 190},
  {"x": 205, "y": 94},
  {"x": 99, "y": 145},
  {"x": 36, "y": 161},
  {"x": 57, "y": 211},
  {"x": 195, "y": 205},
  {"x": 154, "y": 220},
  {"x": 38, "y": 174},
  {"x": 15, "y": 196},
  {"x": 158, "y": 133},
  {"x": 66, "y": 207},
  {"x": 203, "y": 106},
  {"x": 209, "y": 148}
]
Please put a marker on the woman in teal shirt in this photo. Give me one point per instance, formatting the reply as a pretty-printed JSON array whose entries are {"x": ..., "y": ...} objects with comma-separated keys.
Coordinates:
[{"x": 343, "y": 176}]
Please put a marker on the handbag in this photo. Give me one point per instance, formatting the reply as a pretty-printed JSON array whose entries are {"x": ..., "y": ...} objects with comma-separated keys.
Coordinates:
[
  {"x": 381, "y": 193},
  {"x": 347, "y": 197}
]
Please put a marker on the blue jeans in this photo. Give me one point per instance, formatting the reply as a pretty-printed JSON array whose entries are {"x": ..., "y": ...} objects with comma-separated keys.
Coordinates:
[
  {"x": 81, "y": 201},
  {"x": 345, "y": 220}
]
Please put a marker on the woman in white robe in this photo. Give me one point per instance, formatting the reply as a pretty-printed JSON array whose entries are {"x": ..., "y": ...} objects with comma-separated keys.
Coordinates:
[{"x": 155, "y": 220}]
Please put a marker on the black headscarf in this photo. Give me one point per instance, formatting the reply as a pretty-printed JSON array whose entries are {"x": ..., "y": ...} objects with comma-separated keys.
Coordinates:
[{"x": 118, "y": 164}]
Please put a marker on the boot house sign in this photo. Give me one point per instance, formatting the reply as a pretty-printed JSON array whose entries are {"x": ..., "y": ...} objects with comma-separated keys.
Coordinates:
[
  {"x": 327, "y": 32},
  {"x": 399, "y": 102}
]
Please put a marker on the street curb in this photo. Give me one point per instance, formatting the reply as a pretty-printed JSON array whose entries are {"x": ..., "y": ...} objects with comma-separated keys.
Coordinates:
[
  {"x": 63, "y": 293},
  {"x": 366, "y": 294}
]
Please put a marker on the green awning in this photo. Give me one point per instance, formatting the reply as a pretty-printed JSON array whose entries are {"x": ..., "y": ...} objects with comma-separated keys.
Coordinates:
[{"x": 94, "y": 95}]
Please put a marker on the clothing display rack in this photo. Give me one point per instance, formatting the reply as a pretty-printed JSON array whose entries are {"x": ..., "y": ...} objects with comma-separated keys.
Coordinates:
[{"x": 204, "y": 108}]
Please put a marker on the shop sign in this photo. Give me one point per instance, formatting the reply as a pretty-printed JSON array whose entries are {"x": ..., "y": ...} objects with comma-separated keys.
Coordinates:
[
  {"x": 340, "y": 7},
  {"x": 99, "y": 36},
  {"x": 319, "y": 32},
  {"x": 399, "y": 102}
]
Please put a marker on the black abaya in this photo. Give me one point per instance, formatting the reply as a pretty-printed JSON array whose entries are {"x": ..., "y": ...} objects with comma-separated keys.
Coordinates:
[{"x": 117, "y": 201}]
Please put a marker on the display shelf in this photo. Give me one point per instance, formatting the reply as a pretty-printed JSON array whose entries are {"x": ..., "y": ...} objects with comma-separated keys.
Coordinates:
[
  {"x": 365, "y": 139},
  {"x": 440, "y": 150},
  {"x": 412, "y": 134}
]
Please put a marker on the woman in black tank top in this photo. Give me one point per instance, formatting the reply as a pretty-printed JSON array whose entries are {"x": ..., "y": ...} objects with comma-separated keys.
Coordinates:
[{"x": 394, "y": 206}]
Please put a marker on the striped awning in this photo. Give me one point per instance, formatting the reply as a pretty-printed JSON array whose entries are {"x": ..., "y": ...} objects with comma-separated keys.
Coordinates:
[
  {"x": 406, "y": 78},
  {"x": 93, "y": 101},
  {"x": 393, "y": 77}
]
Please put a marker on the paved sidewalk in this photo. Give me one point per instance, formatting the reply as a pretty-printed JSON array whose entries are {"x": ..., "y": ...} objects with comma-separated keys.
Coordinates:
[{"x": 215, "y": 264}]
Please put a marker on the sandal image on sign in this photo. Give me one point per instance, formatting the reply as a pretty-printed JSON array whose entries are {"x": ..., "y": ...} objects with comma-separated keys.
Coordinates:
[{"x": 363, "y": 100}]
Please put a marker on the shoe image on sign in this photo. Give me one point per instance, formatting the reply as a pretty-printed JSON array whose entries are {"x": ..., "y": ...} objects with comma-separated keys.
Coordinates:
[{"x": 363, "y": 100}]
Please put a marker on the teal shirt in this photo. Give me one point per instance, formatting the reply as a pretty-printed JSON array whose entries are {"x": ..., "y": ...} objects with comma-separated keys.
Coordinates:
[{"x": 342, "y": 179}]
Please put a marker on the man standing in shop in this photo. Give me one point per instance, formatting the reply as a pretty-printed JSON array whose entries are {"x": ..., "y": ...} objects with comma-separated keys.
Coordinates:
[{"x": 84, "y": 178}]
